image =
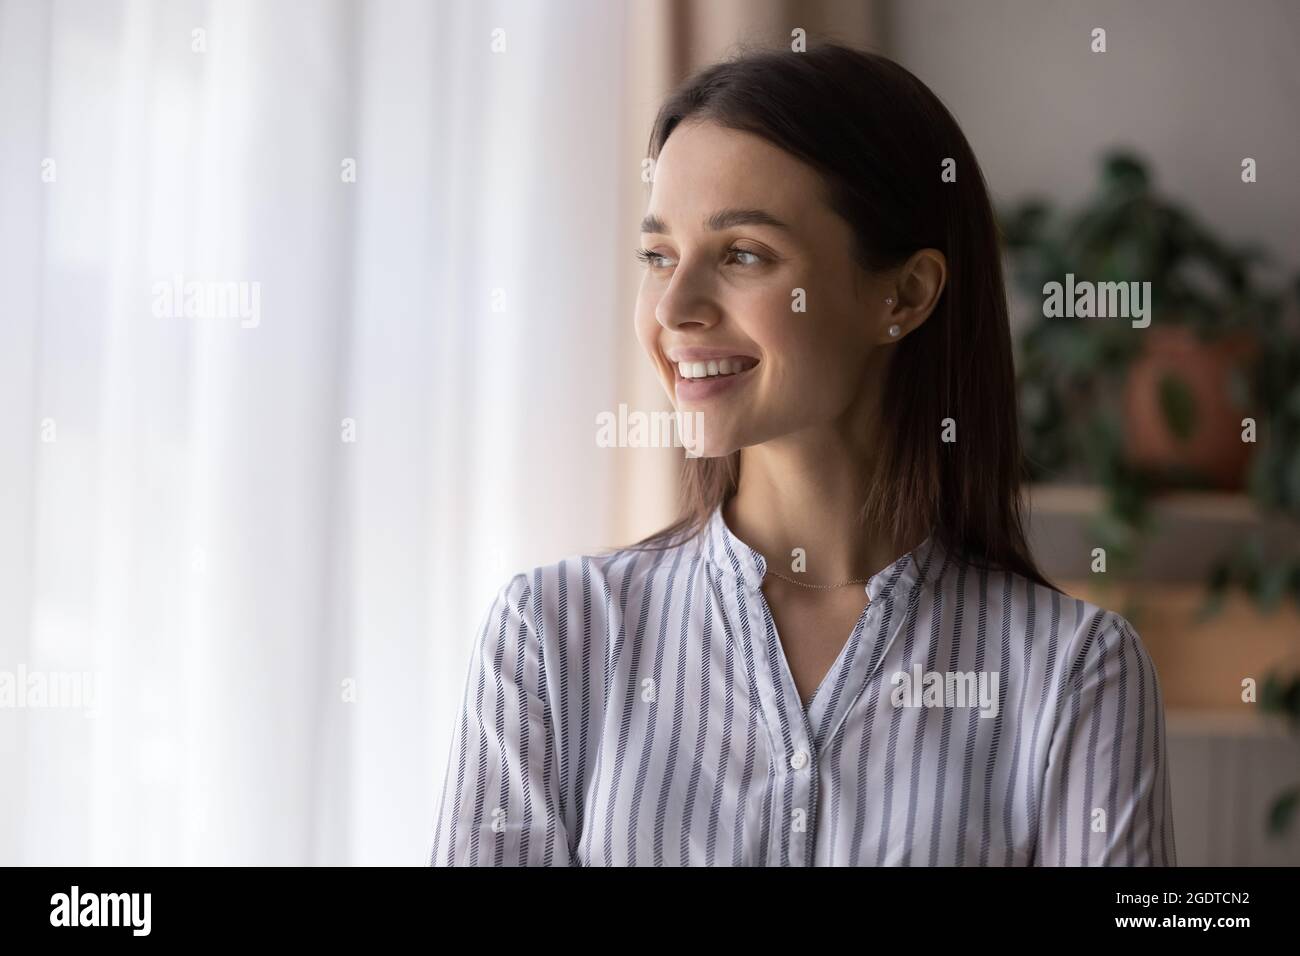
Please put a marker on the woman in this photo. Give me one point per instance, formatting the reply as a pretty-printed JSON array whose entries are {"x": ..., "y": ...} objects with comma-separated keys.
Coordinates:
[{"x": 843, "y": 653}]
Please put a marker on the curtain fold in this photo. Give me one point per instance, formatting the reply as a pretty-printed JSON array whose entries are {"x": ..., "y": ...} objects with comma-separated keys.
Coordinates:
[{"x": 269, "y": 525}]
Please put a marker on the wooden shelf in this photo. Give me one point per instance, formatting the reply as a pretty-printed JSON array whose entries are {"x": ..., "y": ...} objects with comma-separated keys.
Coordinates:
[
  {"x": 1192, "y": 722},
  {"x": 1201, "y": 663},
  {"x": 1190, "y": 531},
  {"x": 1086, "y": 500}
]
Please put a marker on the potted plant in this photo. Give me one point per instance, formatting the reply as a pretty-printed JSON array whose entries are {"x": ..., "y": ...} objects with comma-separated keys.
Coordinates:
[
  {"x": 1206, "y": 396},
  {"x": 1139, "y": 410}
]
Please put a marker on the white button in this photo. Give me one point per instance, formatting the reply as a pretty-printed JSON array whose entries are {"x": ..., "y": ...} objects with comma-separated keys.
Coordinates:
[{"x": 799, "y": 759}]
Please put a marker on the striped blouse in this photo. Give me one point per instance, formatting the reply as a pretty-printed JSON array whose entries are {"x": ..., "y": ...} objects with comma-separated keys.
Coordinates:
[{"x": 636, "y": 709}]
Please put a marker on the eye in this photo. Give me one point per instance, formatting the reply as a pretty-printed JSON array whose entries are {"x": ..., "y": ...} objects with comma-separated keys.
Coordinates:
[
  {"x": 656, "y": 260},
  {"x": 651, "y": 259},
  {"x": 755, "y": 258}
]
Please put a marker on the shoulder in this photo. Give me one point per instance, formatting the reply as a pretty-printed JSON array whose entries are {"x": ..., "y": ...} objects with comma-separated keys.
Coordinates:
[
  {"x": 584, "y": 586},
  {"x": 1100, "y": 643},
  {"x": 1095, "y": 645},
  {"x": 1075, "y": 631}
]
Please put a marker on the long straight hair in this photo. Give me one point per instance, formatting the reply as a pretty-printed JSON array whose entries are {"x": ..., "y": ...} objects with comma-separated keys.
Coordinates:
[{"x": 897, "y": 168}]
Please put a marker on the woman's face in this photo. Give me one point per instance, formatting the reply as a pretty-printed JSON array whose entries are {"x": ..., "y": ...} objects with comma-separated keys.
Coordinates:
[{"x": 751, "y": 278}]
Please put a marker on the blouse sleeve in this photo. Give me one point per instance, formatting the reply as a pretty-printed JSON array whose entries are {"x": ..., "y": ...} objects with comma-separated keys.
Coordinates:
[
  {"x": 499, "y": 802},
  {"x": 1106, "y": 799}
]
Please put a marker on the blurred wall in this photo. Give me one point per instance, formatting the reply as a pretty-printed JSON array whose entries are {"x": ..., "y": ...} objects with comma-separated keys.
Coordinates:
[{"x": 1194, "y": 85}]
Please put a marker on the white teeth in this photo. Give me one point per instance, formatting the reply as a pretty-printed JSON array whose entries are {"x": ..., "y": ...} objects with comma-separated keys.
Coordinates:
[{"x": 711, "y": 368}]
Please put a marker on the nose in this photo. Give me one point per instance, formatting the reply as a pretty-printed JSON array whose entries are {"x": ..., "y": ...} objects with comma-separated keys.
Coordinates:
[{"x": 687, "y": 302}]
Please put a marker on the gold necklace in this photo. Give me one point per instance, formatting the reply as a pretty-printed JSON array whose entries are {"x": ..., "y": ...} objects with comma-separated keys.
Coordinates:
[{"x": 820, "y": 587}]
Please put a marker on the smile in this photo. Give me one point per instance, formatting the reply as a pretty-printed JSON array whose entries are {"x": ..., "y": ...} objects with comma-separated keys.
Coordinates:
[
  {"x": 732, "y": 365},
  {"x": 700, "y": 374}
]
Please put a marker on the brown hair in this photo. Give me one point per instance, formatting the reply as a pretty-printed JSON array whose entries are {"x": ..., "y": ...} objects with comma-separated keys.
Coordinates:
[{"x": 879, "y": 137}]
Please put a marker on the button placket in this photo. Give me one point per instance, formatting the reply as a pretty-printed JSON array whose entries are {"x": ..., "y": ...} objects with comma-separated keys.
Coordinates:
[
  {"x": 804, "y": 820},
  {"x": 795, "y": 732},
  {"x": 791, "y": 736}
]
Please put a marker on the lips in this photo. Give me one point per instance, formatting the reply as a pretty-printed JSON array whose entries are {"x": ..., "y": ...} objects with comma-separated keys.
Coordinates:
[
  {"x": 705, "y": 363},
  {"x": 702, "y": 373},
  {"x": 730, "y": 365}
]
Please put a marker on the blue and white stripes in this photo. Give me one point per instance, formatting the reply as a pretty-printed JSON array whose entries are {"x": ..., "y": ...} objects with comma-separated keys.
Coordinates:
[{"x": 636, "y": 709}]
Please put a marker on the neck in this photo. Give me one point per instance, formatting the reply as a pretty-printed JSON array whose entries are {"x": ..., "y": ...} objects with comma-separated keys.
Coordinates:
[{"x": 806, "y": 491}]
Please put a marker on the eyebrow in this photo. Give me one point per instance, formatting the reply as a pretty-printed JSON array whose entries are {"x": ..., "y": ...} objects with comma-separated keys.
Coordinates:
[{"x": 722, "y": 219}]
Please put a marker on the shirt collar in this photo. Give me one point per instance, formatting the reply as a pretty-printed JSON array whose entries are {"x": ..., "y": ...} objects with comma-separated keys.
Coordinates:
[{"x": 733, "y": 557}]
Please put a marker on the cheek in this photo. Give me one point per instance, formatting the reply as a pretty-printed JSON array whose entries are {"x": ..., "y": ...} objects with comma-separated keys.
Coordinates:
[
  {"x": 814, "y": 355},
  {"x": 792, "y": 341},
  {"x": 767, "y": 319}
]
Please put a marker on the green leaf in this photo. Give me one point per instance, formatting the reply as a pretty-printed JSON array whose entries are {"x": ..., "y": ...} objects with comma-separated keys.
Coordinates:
[
  {"x": 1293, "y": 478},
  {"x": 1125, "y": 172},
  {"x": 1272, "y": 585},
  {"x": 1282, "y": 811},
  {"x": 1278, "y": 695},
  {"x": 1239, "y": 387},
  {"x": 1216, "y": 588},
  {"x": 1178, "y": 405}
]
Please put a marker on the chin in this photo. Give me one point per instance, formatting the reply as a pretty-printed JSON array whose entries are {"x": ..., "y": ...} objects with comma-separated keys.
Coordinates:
[
  {"x": 711, "y": 453},
  {"x": 696, "y": 437}
]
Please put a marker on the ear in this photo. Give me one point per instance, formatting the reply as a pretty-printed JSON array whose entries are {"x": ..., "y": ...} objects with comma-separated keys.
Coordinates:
[{"x": 920, "y": 282}]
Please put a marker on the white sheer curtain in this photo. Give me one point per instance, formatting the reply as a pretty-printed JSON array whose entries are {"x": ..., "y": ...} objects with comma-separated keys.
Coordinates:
[{"x": 236, "y": 524}]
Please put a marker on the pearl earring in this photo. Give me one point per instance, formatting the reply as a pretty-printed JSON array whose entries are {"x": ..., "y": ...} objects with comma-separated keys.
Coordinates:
[
  {"x": 894, "y": 330},
  {"x": 889, "y": 301}
]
